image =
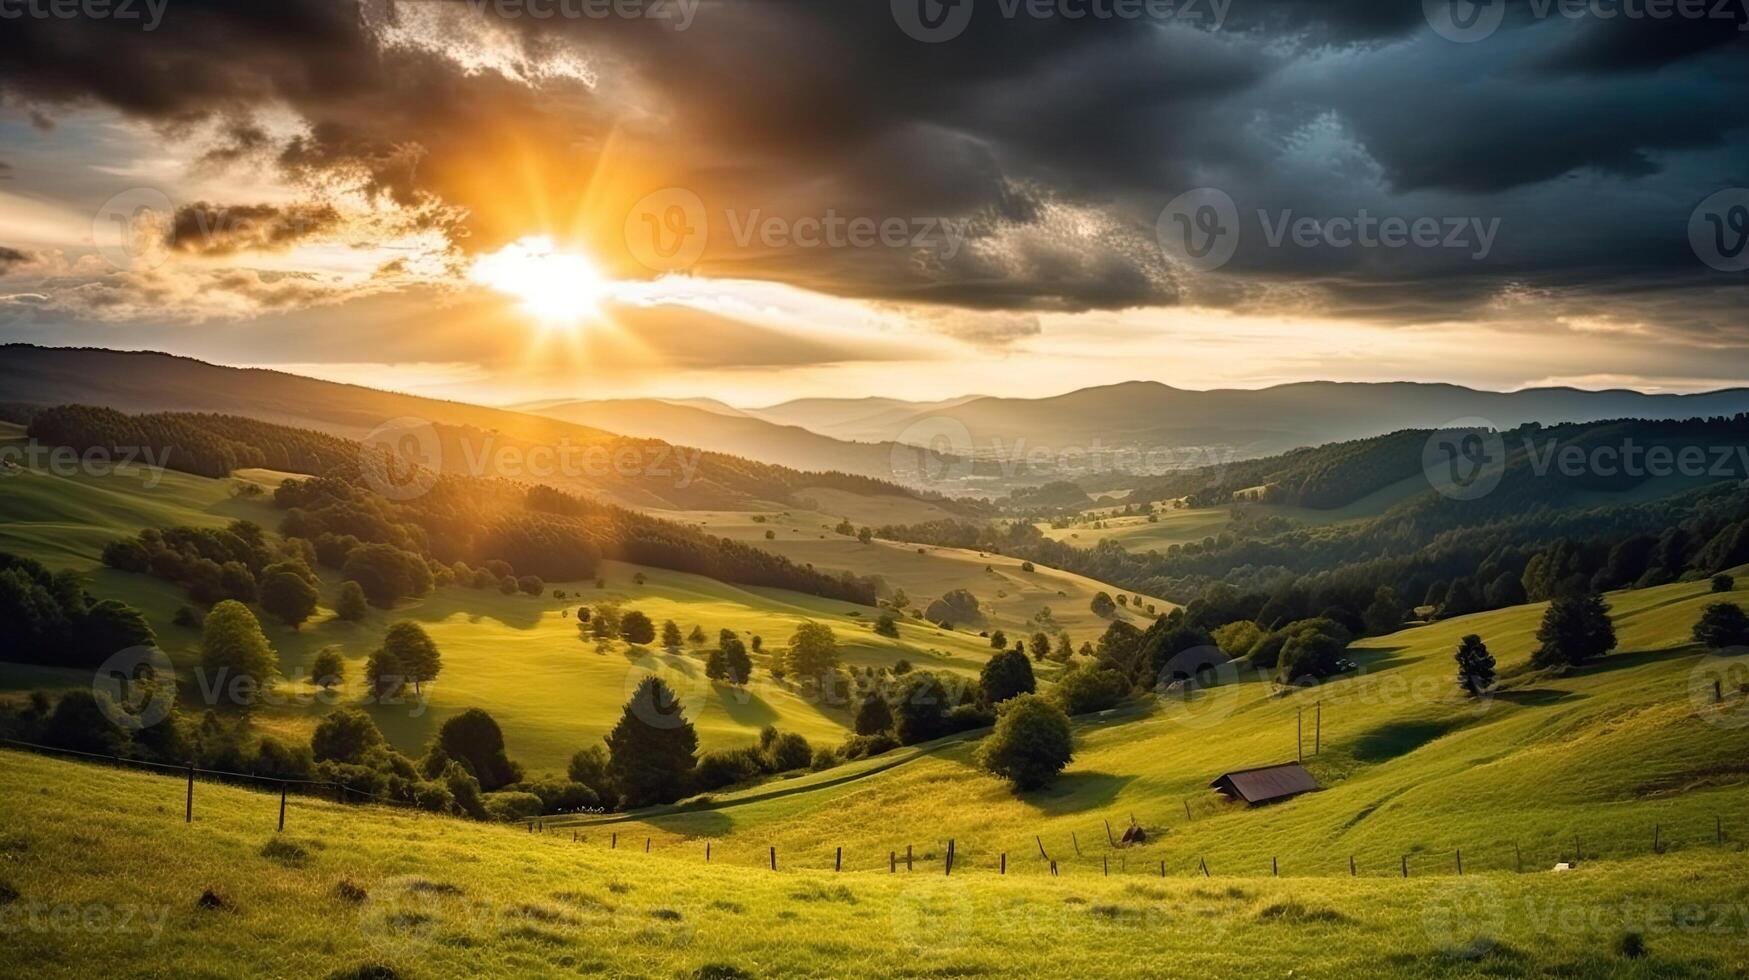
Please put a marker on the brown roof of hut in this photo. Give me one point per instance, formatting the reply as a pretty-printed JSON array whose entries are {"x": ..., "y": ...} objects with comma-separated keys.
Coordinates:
[{"x": 1266, "y": 783}]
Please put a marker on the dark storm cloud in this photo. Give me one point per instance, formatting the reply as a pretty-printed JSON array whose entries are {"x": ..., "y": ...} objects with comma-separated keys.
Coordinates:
[
  {"x": 1055, "y": 140},
  {"x": 208, "y": 229},
  {"x": 10, "y": 258}
]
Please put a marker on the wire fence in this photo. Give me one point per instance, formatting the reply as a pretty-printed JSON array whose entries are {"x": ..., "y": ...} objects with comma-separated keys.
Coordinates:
[{"x": 1102, "y": 853}]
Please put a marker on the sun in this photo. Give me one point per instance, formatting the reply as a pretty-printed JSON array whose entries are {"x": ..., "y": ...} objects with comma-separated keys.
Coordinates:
[{"x": 558, "y": 287}]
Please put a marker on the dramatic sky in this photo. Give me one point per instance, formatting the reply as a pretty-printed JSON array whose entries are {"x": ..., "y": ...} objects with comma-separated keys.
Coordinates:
[{"x": 760, "y": 199}]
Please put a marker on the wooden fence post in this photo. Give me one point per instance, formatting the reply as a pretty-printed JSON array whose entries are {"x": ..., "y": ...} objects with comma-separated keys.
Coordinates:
[
  {"x": 1274, "y": 867},
  {"x": 1351, "y": 871},
  {"x": 1518, "y": 857},
  {"x": 1187, "y": 811},
  {"x": 1655, "y": 848},
  {"x": 282, "y": 808},
  {"x": 1405, "y": 865},
  {"x": 1053, "y": 869},
  {"x": 892, "y": 862},
  {"x": 188, "y": 815},
  {"x": 1162, "y": 869},
  {"x": 774, "y": 859},
  {"x": 1076, "y": 841},
  {"x": 838, "y": 862},
  {"x": 907, "y": 857},
  {"x": 614, "y": 843},
  {"x": 1205, "y": 868},
  {"x": 1105, "y": 865},
  {"x": 1041, "y": 847},
  {"x": 646, "y": 845},
  {"x": 949, "y": 869},
  {"x": 707, "y": 852},
  {"x": 1460, "y": 862},
  {"x": 1318, "y": 730},
  {"x": 1004, "y": 868},
  {"x": 1109, "y": 840}
]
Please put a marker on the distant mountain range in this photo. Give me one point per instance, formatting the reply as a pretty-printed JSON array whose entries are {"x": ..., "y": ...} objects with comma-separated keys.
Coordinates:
[
  {"x": 634, "y": 470},
  {"x": 1150, "y": 415}
]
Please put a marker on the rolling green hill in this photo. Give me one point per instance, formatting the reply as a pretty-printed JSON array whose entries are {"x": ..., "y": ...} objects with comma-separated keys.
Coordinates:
[
  {"x": 517, "y": 656},
  {"x": 1410, "y": 767}
]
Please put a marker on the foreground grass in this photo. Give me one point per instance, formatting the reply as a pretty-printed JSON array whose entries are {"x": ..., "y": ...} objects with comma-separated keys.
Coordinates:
[{"x": 99, "y": 876}]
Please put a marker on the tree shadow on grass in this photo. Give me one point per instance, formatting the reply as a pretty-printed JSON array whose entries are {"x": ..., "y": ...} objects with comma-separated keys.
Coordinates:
[
  {"x": 743, "y": 707},
  {"x": 1075, "y": 792},
  {"x": 1538, "y": 697},
  {"x": 1611, "y": 662},
  {"x": 695, "y": 823}
]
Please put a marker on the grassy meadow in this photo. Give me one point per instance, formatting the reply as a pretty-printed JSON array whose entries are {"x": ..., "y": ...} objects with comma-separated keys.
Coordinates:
[
  {"x": 521, "y": 657},
  {"x": 365, "y": 892},
  {"x": 1411, "y": 767}
]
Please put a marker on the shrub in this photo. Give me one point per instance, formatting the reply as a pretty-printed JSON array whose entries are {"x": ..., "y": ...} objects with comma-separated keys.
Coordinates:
[
  {"x": 1475, "y": 665},
  {"x": 349, "y": 605},
  {"x": 873, "y": 715},
  {"x": 635, "y": 628},
  {"x": 1088, "y": 688},
  {"x": 788, "y": 751},
  {"x": 726, "y": 767},
  {"x": 863, "y": 746},
  {"x": 1031, "y": 744},
  {"x": 1721, "y": 625},
  {"x": 1723, "y": 583},
  {"x": 345, "y": 735},
  {"x": 510, "y": 806}
]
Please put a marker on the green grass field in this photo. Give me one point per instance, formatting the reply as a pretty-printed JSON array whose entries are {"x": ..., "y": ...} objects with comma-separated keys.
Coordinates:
[
  {"x": 518, "y": 657},
  {"x": 1411, "y": 768},
  {"x": 100, "y": 876}
]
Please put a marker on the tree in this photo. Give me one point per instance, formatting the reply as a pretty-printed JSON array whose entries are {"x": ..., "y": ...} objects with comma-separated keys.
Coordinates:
[
  {"x": 873, "y": 715},
  {"x": 386, "y": 573},
  {"x": 1475, "y": 665},
  {"x": 887, "y": 624},
  {"x": 349, "y": 605},
  {"x": 289, "y": 596},
  {"x": 232, "y": 645},
  {"x": 1309, "y": 654},
  {"x": 1575, "y": 629},
  {"x": 716, "y": 666},
  {"x": 1102, "y": 605},
  {"x": 474, "y": 739},
  {"x": 1721, "y": 625},
  {"x": 1385, "y": 614},
  {"x": 900, "y": 601},
  {"x": 813, "y": 651},
  {"x": 920, "y": 708},
  {"x": 652, "y": 749},
  {"x": 345, "y": 735},
  {"x": 1723, "y": 583},
  {"x": 635, "y": 628},
  {"x": 1006, "y": 675},
  {"x": 999, "y": 640},
  {"x": 671, "y": 636},
  {"x": 737, "y": 666},
  {"x": 1039, "y": 646},
  {"x": 787, "y": 751},
  {"x": 865, "y": 535},
  {"x": 107, "y": 627},
  {"x": 1065, "y": 650},
  {"x": 1031, "y": 744},
  {"x": 385, "y": 674},
  {"x": 696, "y": 637},
  {"x": 589, "y": 766},
  {"x": 1088, "y": 688},
  {"x": 531, "y": 585},
  {"x": 328, "y": 669},
  {"x": 411, "y": 647},
  {"x": 1507, "y": 589}
]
